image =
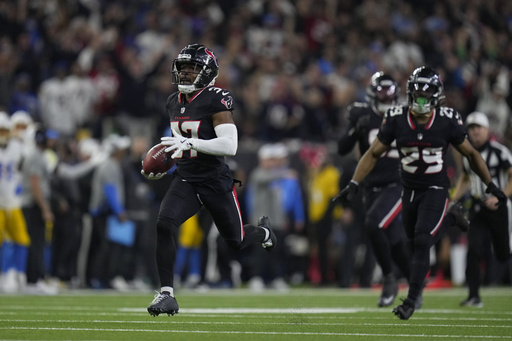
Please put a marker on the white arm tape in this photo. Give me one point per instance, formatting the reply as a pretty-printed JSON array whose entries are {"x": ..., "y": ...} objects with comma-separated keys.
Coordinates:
[{"x": 225, "y": 144}]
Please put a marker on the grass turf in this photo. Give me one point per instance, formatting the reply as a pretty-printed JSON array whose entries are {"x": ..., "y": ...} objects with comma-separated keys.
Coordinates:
[{"x": 300, "y": 314}]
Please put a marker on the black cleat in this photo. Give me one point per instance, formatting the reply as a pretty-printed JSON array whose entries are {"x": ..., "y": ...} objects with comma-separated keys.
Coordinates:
[
  {"x": 474, "y": 301},
  {"x": 460, "y": 219},
  {"x": 271, "y": 243},
  {"x": 163, "y": 303},
  {"x": 405, "y": 310},
  {"x": 389, "y": 291}
]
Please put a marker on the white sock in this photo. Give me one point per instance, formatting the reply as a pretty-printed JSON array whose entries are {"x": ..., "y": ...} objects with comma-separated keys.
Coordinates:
[{"x": 168, "y": 289}]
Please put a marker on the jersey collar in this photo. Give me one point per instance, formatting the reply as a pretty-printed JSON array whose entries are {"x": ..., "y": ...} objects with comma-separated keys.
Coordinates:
[
  {"x": 410, "y": 120},
  {"x": 182, "y": 99}
]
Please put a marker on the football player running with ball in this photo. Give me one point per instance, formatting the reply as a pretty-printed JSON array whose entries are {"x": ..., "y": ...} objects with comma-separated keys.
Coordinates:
[
  {"x": 423, "y": 130},
  {"x": 204, "y": 133}
]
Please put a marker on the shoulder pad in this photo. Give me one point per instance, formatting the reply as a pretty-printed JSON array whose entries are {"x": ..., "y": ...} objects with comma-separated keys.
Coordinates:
[
  {"x": 221, "y": 99},
  {"x": 451, "y": 114},
  {"x": 396, "y": 111},
  {"x": 358, "y": 108}
]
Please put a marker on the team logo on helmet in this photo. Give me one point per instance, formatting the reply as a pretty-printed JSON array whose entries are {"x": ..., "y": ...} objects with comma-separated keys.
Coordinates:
[{"x": 210, "y": 53}]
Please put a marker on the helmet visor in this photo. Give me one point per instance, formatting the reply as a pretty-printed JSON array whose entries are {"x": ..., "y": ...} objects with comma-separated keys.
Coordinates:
[{"x": 425, "y": 90}]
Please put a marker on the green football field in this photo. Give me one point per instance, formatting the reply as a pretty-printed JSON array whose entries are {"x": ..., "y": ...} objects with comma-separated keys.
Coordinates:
[{"x": 300, "y": 314}]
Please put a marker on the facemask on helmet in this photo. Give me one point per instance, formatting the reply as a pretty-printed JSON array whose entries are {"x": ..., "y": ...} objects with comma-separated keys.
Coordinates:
[
  {"x": 195, "y": 68},
  {"x": 424, "y": 90},
  {"x": 382, "y": 92}
]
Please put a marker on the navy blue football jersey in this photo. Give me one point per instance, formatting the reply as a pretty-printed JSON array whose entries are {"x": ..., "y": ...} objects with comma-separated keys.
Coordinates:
[
  {"x": 422, "y": 147},
  {"x": 386, "y": 170},
  {"x": 193, "y": 119}
]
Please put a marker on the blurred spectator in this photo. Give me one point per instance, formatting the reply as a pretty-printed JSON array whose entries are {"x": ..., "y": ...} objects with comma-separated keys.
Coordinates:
[
  {"x": 56, "y": 113},
  {"x": 23, "y": 98},
  {"x": 322, "y": 179},
  {"x": 38, "y": 213},
  {"x": 106, "y": 81},
  {"x": 492, "y": 93},
  {"x": 74, "y": 162},
  {"x": 274, "y": 187},
  {"x": 188, "y": 255},
  {"x": 83, "y": 97},
  {"x": 106, "y": 261},
  {"x": 14, "y": 238}
]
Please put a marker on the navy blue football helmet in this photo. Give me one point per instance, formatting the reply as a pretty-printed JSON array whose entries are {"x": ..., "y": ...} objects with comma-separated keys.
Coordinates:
[
  {"x": 195, "y": 60},
  {"x": 382, "y": 92},
  {"x": 424, "y": 90}
]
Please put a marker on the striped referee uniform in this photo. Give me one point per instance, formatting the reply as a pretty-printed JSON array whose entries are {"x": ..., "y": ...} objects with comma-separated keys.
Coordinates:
[{"x": 487, "y": 225}]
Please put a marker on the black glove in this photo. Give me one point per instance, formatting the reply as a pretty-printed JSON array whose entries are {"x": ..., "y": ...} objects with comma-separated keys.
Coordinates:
[
  {"x": 362, "y": 123},
  {"x": 347, "y": 193},
  {"x": 498, "y": 193}
]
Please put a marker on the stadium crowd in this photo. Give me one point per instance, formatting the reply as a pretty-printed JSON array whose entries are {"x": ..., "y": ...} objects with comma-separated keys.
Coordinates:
[{"x": 99, "y": 71}]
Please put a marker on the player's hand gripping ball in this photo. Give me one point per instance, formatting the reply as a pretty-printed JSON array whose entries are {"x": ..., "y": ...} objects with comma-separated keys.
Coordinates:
[{"x": 157, "y": 162}]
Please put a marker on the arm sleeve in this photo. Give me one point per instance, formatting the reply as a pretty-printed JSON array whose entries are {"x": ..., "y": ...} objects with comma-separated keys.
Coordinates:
[
  {"x": 225, "y": 144},
  {"x": 347, "y": 142}
]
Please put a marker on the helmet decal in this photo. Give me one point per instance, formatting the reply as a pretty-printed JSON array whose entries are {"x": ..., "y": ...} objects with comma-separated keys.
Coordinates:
[{"x": 210, "y": 53}]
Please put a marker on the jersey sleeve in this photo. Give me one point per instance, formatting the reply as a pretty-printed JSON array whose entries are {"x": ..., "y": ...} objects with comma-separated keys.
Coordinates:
[
  {"x": 221, "y": 100},
  {"x": 458, "y": 131},
  {"x": 386, "y": 133},
  {"x": 347, "y": 142}
]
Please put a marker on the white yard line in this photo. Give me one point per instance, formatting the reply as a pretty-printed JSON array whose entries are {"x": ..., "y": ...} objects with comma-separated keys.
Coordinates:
[
  {"x": 244, "y": 323},
  {"x": 172, "y": 331}
]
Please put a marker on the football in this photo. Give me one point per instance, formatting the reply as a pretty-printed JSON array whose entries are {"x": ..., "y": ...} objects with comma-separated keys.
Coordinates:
[{"x": 157, "y": 160}]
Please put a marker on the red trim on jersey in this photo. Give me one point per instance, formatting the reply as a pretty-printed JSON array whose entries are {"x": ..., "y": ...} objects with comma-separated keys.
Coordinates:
[
  {"x": 179, "y": 95},
  {"x": 410, "y": 121},
  {"x": 431, "y": 121},
  {"x": 235, "y": 196},
  {"x": 434, "y": 231},
  {"x": 196, "y": 95},
  {"x": 391, "y": 215}
]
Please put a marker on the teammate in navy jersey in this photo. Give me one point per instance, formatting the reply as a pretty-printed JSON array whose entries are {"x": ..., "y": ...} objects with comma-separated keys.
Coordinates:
[
  {"x": 489, "y": 223},
  {"x": 423, "y": 130},
  {"x": 382, "y": 187},
  {"x": 204, "y": 133}
]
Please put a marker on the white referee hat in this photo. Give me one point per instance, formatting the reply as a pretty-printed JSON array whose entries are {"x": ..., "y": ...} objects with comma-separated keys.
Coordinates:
[{"x": 478, "y": 118}]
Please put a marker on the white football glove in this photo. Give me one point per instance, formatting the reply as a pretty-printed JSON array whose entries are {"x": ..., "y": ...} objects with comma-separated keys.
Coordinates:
[
  {"x": 152, "y": 176},
  {"x": 176, "y": 143}
]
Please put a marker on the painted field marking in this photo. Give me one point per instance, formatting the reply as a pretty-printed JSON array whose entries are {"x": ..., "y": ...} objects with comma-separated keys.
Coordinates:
[{"x": 493, "y": 337}]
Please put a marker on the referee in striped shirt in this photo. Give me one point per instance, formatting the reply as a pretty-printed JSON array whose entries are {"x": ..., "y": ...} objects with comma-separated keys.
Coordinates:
[{"x": 488, "y": 222}]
